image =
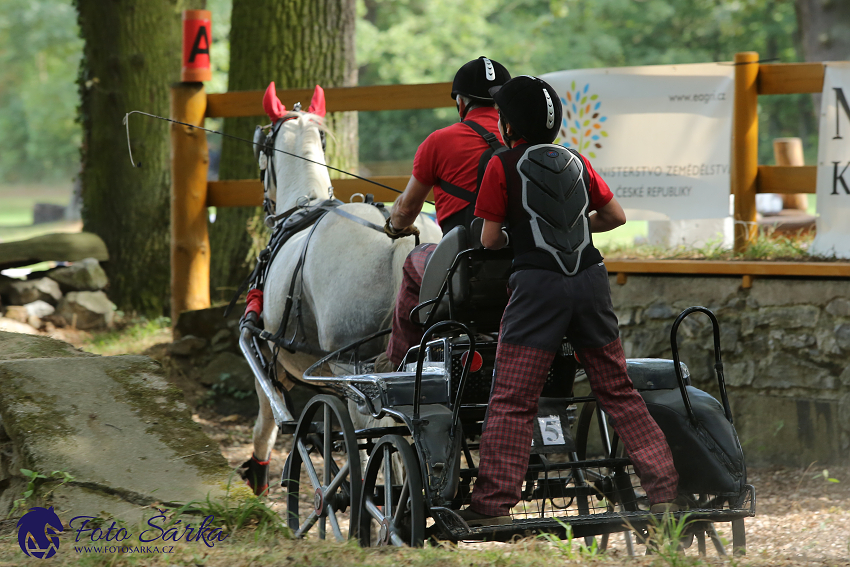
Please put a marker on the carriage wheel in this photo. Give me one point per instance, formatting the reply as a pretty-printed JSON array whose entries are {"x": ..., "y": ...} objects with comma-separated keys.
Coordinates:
[
  {"x": 700, "y": 529},
  {"x": 323, "y": 484},
  {"x": 392, "y": 510}
]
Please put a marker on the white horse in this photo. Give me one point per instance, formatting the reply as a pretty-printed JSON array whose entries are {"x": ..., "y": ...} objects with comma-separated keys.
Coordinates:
[{"x": 350, "y": 275}]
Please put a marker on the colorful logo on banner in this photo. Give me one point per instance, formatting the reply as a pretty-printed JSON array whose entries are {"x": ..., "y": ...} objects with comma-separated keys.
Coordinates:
[
  {"x": 37, "y": 532},
  {"x": 582, "y": 126}
]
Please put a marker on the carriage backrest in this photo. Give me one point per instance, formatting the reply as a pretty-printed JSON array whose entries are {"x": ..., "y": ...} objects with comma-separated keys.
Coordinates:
[{"x": 478, "y": 294}]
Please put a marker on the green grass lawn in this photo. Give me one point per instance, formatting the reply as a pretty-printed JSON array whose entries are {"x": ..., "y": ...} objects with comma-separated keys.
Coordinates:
[
  {"x": 16, "y": 210},
  {"x": 17, "y": 201}
]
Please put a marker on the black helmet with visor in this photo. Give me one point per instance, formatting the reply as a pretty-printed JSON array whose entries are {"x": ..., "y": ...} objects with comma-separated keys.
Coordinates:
[
  {"x": 476, "y": 78},
  {"x": 531, "y": 106}
]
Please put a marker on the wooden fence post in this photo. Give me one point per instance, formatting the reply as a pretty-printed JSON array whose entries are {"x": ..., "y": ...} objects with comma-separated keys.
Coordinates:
[
  {"x": 789, "y": 151},
  {"x": 745, "y": 133},
  {"x": 190, "y": 243}
]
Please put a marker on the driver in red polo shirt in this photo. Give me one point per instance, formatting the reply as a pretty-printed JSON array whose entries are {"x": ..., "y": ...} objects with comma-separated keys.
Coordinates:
[{"x": 451, "y": 161}]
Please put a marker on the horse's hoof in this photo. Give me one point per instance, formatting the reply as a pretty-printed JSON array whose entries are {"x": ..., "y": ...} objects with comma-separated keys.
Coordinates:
[{"x": 256, "y": 474}]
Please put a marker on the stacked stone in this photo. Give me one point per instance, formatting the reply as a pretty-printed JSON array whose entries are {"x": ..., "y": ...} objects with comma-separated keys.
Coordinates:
[
  {"x": 786, "y": 355},
  {"x": 69, "y": 296}
]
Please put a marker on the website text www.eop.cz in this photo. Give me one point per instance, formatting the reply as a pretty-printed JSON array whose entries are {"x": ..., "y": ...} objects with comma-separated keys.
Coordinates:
[{"x": 704, "y": 98}]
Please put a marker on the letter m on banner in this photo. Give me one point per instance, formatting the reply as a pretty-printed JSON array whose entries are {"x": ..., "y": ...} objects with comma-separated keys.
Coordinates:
[{"x": 840, "y": 104}]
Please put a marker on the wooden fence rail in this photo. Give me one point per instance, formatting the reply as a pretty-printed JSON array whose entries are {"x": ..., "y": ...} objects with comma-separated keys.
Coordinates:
[{"x": 192, "y": 193}]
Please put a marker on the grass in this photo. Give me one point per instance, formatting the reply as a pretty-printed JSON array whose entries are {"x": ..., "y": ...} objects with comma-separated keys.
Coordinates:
[
  {"x": 17, "y": 201},
  {"x": 244, "y": 549},
  {"x": 16, "y": 210},
  {"x": 131, "y": 336},
  {"x": 768, "y": 245}
]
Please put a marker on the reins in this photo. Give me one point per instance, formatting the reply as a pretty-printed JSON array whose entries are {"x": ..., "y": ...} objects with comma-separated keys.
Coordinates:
[{"x": 126, "y": 123}]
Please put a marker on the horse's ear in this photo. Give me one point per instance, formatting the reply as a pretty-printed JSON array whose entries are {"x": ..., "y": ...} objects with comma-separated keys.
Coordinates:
[
  {"x": 317, "y": 105},
  {"x": 272, "y": 105}
]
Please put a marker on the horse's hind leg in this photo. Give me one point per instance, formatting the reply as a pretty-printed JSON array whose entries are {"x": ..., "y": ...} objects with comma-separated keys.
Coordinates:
[{"x": 256, "y": 469}]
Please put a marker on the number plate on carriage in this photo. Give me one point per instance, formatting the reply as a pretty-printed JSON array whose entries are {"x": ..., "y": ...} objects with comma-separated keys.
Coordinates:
[
  {"x": 552, "y": 427},
  {"x": 551, "y": 430}
]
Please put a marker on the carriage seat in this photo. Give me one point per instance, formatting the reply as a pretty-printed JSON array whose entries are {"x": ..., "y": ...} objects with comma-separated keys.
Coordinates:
[
  {"x": 477, "y": 293},
  {"x": 655, "y": 373}
]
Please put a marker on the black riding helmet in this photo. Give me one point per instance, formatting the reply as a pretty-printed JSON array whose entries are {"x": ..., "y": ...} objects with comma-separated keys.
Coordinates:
[
  {"x": 532, "y": 108},
  {"x": 476, "y": 78}
]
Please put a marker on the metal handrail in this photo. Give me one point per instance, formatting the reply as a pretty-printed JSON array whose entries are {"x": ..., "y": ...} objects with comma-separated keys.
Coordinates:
[{"x": 718, "y": 362}]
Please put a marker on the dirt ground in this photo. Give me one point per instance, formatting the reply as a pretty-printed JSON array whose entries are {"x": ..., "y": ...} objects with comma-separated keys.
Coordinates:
[{"x": 801, "y": 516}]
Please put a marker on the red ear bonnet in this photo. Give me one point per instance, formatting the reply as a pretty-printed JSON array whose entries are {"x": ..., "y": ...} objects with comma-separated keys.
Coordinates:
[
  {"x": 317, "y": 105},
  {"x": 272, "y": 105}
]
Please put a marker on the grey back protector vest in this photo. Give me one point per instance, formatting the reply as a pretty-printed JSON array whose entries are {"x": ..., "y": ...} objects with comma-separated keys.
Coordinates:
[{"x": 556, "y": 198}]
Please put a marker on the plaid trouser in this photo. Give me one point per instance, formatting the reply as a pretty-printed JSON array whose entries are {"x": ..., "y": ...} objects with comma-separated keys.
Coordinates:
[
  {"x": 405, "y": 334},
  {"x": 545, "y": 307}
]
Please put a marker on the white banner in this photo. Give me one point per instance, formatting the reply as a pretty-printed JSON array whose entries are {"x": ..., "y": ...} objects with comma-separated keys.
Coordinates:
[
  {"x": 833, "y": 184},
  {"x": 659, "y": 135}
]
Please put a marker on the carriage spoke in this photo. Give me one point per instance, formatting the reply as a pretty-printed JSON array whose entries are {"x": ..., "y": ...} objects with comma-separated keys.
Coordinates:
[
  {"x": 373, "y": 510},
  {"x": 388, "y": 483},
  {"x": 323, "y": 524},
  {"x": 328, "y": 444},
  {"x": 700, "y": 535},
  {"x": 396, "y": 539},
  {"x": 405, "y": 492},
  {"x": 308, "y": 464},
  {"x": 334, "y": 523},
  {"x": 715, "y": 539},
  {"x": 338, "y": 479},
  {"x": 308, "y": 523}
]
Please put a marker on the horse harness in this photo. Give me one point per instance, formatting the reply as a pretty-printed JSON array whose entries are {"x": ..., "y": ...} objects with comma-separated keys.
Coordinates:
[
  {"x": 465, "y": 215},
  {"x": 284, "y": 226}
]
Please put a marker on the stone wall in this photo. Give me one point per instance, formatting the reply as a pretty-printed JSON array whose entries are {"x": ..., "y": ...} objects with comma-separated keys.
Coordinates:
[{"x": 786, "y": 355}]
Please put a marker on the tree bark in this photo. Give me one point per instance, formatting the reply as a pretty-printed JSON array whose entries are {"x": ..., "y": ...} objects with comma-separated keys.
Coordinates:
[
  {"x": 297, "y": 44},
  {"x": 824, "y": 29},
  {"x": 131, "y": 55}
]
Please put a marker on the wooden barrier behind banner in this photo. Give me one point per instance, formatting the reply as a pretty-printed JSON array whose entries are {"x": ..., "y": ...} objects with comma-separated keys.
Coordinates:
[{"x": 190, "y": 247}]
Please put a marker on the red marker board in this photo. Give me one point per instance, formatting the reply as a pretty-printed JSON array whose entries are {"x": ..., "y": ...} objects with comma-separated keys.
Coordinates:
[{"x": 197, "y": 38}]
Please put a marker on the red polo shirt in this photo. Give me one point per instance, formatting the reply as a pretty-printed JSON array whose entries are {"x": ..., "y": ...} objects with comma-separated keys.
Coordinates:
[
  {"x": 492, "y": 201},
  {"x": 452, "y": 154}
]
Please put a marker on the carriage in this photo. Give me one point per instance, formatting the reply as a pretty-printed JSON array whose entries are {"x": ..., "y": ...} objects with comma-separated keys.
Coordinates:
[{"x": 400, "y": 481}]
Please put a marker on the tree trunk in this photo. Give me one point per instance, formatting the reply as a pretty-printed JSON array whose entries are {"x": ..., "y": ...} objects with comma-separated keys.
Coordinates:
[
  {"x": 297, "y": 44},
  {"x": 131, "y": 56},
  {"x": 824, "y": 29}
]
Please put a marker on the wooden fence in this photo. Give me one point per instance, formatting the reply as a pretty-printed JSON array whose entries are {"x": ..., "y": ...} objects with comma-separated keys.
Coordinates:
[{"x": 192, "y": 193}]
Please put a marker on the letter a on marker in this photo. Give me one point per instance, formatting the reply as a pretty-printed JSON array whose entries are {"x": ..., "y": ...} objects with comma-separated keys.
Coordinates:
[{"x": 198, "y": 50}]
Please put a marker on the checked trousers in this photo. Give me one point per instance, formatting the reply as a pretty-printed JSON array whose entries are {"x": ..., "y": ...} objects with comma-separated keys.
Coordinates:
[
  {"x": 405, "y": 334},
  {"x": 544, "y": 307}
]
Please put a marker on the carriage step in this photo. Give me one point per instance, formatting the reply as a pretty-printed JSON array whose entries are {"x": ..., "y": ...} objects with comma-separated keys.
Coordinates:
[{"x": 584, "y": 525}]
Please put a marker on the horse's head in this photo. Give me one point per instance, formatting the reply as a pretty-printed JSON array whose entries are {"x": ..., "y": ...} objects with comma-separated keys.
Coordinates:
[{"x": 299, "y": 134}]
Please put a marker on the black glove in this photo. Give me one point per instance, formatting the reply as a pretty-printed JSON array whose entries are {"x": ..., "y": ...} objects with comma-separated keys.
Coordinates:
[{"x": 394, "y": 233}]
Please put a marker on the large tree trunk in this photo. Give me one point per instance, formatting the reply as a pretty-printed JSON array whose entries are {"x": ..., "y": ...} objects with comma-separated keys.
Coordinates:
[
  {"x": 297, "y": 44},
  {"x": 824, "y": 29},
  {"x": 131, "y": 56}
]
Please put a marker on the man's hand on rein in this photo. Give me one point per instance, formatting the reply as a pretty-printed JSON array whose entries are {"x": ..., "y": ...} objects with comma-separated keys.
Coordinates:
[{"x": 394, "y": 233}]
